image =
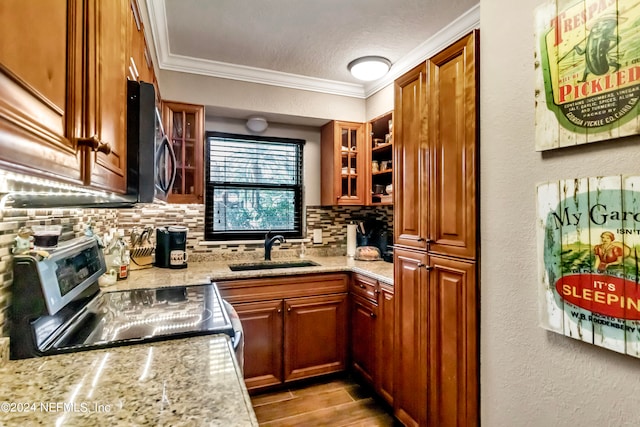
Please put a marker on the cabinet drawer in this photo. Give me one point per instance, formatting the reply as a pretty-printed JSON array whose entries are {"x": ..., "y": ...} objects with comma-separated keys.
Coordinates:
[{"x": 365, "y": 287}]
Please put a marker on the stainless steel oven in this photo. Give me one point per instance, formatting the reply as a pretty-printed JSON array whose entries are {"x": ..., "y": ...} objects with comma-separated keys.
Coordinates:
[{"x": 58, "y": 307}]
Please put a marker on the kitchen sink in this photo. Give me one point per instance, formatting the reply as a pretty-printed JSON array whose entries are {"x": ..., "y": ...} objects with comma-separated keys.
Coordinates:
[{"x": 268, "y": 265}]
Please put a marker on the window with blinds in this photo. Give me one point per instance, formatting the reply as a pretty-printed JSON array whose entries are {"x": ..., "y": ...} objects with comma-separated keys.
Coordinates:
[{"x": 254, "y": 185}]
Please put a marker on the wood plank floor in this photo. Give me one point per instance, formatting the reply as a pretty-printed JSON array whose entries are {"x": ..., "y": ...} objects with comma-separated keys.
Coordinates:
[{"x": 337, "y": 402}]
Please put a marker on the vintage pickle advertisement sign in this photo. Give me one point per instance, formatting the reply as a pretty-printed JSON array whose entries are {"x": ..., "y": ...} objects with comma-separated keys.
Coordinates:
[
  {"x": 589, "y": 260},
  {"x": 587, "y": 62}
]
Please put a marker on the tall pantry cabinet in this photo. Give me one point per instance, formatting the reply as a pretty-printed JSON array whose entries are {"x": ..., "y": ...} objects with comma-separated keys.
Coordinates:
[{"x": 435, "y": 256}]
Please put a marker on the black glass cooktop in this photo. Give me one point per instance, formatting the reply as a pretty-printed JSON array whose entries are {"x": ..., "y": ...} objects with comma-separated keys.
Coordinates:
[{"x": 122, "y": 317}]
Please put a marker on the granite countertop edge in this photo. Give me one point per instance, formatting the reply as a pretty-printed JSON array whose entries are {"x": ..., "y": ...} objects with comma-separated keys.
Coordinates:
[{"x": 206, "y": 271}]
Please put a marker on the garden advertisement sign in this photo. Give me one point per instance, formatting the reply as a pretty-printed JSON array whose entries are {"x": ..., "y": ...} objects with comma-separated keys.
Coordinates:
[
  {"x": 589, "y": 260},
  {"x": 587, "y": 63}
]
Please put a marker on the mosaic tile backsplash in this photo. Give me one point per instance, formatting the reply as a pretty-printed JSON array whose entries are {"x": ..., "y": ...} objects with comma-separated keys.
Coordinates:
[{"x": 332, "y": 221}]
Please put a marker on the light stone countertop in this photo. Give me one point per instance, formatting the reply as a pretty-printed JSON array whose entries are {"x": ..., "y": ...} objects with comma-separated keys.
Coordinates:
[
  {"x": 190, "y": 381},
  {"x": 184, "y": 382},
  {"x": 203, "y": 271}
]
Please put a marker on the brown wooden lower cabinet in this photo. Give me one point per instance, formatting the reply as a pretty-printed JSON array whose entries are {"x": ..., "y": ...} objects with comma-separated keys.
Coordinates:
[
  {"x": 453, "y": 343},
  {"x": 410, "y": 361},
  {"x": 372, "y": 334},
  {"x": 262, "y": 326},
  {"x": 315, "y": 336},
  {"x": 364, "y": 321},
  {"x": 385, "y": 343},
  {"x": 436, "y": 348},
  {"x": 295, "y": 327}
]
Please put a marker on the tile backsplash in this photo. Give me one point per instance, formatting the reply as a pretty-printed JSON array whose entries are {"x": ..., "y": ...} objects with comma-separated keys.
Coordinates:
[{"x": 332, "y": 221}]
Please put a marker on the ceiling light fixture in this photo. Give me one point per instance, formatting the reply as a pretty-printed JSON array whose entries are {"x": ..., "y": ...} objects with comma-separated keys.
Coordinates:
[
  {"x": 257, "y": 124},
  {"x": 369, "y": 68}
]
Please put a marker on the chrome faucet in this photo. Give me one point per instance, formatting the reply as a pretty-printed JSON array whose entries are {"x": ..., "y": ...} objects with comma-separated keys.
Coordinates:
[{"x": 268, "y": 244}]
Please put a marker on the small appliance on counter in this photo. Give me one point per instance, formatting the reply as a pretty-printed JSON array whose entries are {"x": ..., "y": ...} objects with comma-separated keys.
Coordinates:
[
  {"x": 373, "y": 233},
  {"x": 367, "y": 253},
  {"x": 171, "y": 247}
]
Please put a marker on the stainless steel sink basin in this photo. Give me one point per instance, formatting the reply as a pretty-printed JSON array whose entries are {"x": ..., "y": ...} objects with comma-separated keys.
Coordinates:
[{"x": 268, "y": 265}]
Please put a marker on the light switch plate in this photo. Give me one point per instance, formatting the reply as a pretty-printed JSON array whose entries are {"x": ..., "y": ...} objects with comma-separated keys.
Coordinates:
[{"x": 317, "y": 236}]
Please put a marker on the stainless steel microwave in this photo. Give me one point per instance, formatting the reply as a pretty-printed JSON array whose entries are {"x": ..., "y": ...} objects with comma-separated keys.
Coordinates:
[{"x": 151, "y": 161}]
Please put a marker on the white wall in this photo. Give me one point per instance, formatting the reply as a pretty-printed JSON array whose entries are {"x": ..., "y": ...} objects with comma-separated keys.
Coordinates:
[
  {"x": 380, "y": 102},
  {"x": 311, "y": 166},
  {"x": 203, "y": 90},
  {"x": 531, "y": 377}
]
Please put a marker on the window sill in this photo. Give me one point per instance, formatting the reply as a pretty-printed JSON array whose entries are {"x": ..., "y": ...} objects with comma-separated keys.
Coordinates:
[{"x": 246, "y": 242}]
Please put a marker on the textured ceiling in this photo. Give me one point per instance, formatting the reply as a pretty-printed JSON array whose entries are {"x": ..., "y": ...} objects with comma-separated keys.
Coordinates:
[{"x": 308, "y": 38}]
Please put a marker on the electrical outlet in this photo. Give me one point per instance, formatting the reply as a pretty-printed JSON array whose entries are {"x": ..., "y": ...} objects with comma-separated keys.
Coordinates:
[{"x": 317, "y": 236}]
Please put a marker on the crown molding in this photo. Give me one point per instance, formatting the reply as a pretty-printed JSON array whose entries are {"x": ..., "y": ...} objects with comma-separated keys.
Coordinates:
[
  {"x": 168, "y": 61},
  {"x": 260, "y": 76},
  {"x": 462, "y": 26}
]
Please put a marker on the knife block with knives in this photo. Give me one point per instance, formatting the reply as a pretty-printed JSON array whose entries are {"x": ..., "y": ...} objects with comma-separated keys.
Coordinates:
[{"x": 141, "y": 249}]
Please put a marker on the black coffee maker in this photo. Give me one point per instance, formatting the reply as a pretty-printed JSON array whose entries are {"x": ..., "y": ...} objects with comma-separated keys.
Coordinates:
[
  {"x": 373, "y": 232},
  {"x": 171, "y": 247}
]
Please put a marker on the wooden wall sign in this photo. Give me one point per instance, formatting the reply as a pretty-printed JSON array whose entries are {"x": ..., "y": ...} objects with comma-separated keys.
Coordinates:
[
  {"x": 588, "y": 256},
  {"x": 587, "y": 66}
]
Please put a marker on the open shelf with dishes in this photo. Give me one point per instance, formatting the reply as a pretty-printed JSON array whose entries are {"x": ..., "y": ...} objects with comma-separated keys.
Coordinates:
[{"x": 380, "y": 143}]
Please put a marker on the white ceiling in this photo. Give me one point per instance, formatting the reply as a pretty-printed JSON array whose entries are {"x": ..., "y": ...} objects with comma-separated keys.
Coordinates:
[{"x": 304, "y": 44}]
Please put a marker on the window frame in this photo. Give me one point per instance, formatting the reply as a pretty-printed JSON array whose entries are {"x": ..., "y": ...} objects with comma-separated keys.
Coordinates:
[{"x": 209, "y": 187}]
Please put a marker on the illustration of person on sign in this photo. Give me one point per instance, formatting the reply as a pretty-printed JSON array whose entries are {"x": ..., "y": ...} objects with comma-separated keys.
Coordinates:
[{"x": 609, "y": 252}]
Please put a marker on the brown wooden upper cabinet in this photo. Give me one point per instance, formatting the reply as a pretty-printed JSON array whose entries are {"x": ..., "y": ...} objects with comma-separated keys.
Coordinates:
[
  {"x": 343, "y": 160},
  {"x": 140, "y": 65},
  {"x": 184, "y": 125},
  {"x": 410, "y": 155},
  {"x": 107, "y": 95},
  {"x": 435, "y": 149},
  {"x": 63, "y": 90},
  {"x": 452, "y": 142},
  {"x": 41, "y": 87}
]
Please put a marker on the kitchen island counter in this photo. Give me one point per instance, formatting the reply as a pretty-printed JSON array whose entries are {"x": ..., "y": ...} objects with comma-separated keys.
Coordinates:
[
  {"x": 191, "y": 381},
  {"x": 203, "y": 271}
]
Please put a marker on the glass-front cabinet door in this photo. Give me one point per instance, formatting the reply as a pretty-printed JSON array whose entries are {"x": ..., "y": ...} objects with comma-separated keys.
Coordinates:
[
  {"x": 349, "y": 155},
  {"x": 343, "y": 164},
  {"x": 184, "y": 124}
]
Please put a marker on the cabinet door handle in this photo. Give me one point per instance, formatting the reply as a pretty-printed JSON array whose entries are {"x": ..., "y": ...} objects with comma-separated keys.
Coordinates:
[
  {"x": 289, "y": 309},
  {"x": 279, "y": 310},
  {"x": 426, "y": 267},
  {"x": 372, "y": 314},
  {"x": 362, "y": 286},
  {"x": 95, "y": 144}
]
